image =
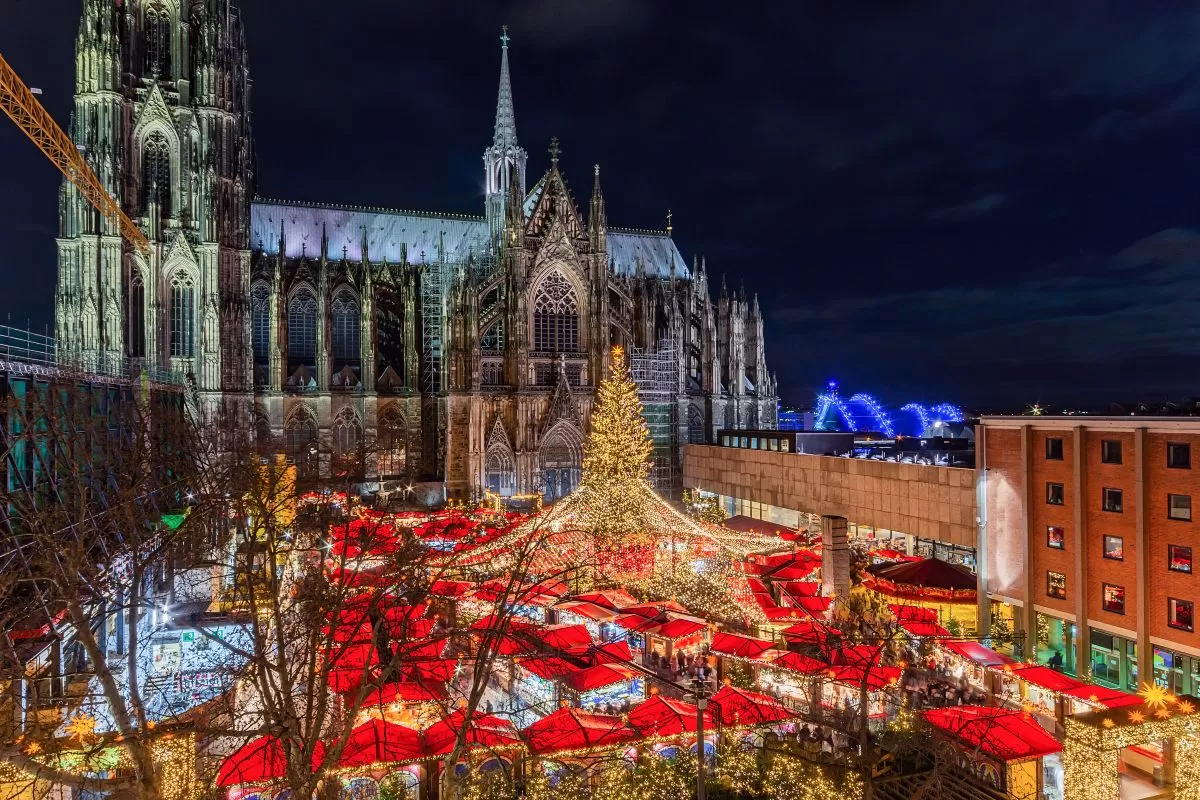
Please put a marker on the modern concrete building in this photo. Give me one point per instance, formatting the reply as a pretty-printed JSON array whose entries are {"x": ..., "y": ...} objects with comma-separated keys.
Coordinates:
[{"x": 1089, "y": 540}]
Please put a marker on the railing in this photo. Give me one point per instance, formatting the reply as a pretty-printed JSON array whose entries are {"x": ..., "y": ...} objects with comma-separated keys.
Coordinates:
[{"x": 42, "y": 353}]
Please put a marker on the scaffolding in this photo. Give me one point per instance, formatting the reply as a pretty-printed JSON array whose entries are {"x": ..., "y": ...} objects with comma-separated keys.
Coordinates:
[{"x": 656, "y": 373}]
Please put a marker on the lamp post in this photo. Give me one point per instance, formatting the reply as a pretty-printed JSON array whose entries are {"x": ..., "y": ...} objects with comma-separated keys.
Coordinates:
[{"x": 700, "y": 690}]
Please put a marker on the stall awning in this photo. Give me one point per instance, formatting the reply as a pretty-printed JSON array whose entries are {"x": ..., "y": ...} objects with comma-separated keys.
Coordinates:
[
  {"x": 613, "y": 599},
  {"x": 983, "y": 656},
  {"x": 405, "y": 691},
  {"x": 739, "y": 707},
  {"x": 592, "y": 611},
  {"x": 563, "y": 637},
  {"x": 875, "y": 678},
  {"x": 659, "y": 716},
  {"x": 679, "y": 628},
  {"x": 797, "y": 662},
  {"x": 654, "y": 608},
  {"x": 485, "y": 730},
  {"x": 921, "y": 628},
  {"x": 597, "y": 677},
  {"x": 1103, "y": 697},
  {"x": 1046, "y": 678},
  {"x": 1000, "y": 733},
  {"x": 573, "y": 729},
  {"x": 260, "y": 761},
  {"x": 811, "y": 632},
  {"x": 733, "y": 644},
  {"x": 377, "y": 741}
]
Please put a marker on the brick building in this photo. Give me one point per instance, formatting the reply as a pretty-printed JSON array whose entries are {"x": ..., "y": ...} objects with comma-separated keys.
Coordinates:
[{"x": 1088, "y": 543}]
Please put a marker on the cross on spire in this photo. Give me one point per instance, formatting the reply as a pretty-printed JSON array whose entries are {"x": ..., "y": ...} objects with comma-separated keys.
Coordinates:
[
  {"x": 554, "y": 150},
  {"x": 669, "y": 226},
  {"x": 504, "y": 37}
]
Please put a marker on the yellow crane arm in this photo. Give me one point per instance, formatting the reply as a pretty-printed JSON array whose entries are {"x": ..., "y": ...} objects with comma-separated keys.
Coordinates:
[{"x": 32, "y": 118}]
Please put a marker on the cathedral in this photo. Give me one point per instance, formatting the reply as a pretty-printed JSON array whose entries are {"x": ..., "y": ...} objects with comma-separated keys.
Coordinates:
[{"x": 459, "y": 349}]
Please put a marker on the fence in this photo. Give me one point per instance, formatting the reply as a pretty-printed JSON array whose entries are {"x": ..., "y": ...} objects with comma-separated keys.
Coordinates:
[{"x": 40, "y": 353}]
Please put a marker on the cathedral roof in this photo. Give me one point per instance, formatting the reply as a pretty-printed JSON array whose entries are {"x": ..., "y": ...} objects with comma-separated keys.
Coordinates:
[
  {"x": 387, "y": 230},
  {"x": 419, "y": 232}
]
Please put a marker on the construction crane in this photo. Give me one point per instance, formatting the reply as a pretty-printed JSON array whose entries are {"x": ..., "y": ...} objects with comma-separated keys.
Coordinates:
[{"x": 19, "y": 103}]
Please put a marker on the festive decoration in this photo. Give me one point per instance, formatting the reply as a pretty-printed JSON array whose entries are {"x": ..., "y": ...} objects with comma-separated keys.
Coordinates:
[
  {"x": 82, "y": 728},
  {"x": 616, "y": 456}
]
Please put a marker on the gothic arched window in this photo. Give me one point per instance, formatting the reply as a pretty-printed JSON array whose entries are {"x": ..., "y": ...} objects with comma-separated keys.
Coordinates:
[
  {"x": 492, "y": 340},
  {"x": 156, "y": 172},
  {"x": 158, "y": 42},
  {"x": 346, "y": 433},
  {"x": 555, "y": 315},
  {"x": 300, "y": 443},
  {"x": 183, "y": 316},
  {"x": 302, "y": 326},
  {"x": 393, "y": 443},
  {"x": 345, "y": 327},
  {"x": 260, "y": 323},
  {"x": 135, "y": 318}
]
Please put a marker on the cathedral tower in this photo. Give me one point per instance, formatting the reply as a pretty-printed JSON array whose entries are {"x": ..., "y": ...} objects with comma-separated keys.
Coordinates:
[
  {"x": 504, "y": 161},
  {"x": 162, "y": 117}
]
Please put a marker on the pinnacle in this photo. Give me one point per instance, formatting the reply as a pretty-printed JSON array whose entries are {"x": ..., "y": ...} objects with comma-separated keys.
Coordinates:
[{"x": 506, "y": 119}]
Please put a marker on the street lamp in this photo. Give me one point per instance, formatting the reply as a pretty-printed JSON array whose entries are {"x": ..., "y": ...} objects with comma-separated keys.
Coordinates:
[{"x": 700, "y": 690}]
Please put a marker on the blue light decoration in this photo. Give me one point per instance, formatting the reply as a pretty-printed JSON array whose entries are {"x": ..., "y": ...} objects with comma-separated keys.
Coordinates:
[
  {"x": 829, "y": 407},
  {"x": 922, "y": 418},
  {"x": 874, "y": 411},
  {"x": 947, "y": 413}
]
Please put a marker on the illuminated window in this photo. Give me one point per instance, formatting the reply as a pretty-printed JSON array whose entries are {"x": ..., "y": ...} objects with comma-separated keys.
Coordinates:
[
  {"x": 1110, "y": 451},
  {"x": 1179, "y": 456},
  {"x": 1054, "y": 449},
  {"x": 1179, "y": 506},
  {"x": 393, "y": 443},
  {"x": 345, "y": 327},
  {"x": 1113, "y": 598},
  {"x": 1180, "y": 614},
  {"x": 1114, "y": 548},
  {"x": 156, "y": 173},
  {"x": 1054, "y": 494},
  {"x": 1055, "y": 537},
  {"x": 302, "y": 326},
  {"x": 1056, "y": 585},
  {"x": 183, "y": 316},
  {"x": 555, "y": 315},
  {"x": 1114, "y": 500},
  {"x": 260, "y": 323},
  {"x": 1179, "y": 558}
]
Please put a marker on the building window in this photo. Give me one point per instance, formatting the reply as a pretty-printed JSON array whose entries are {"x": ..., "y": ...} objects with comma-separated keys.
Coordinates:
[
  {"x": 260, "y": 323},
  {"x": 1179, "y": 456},
  {"x": 1179, "y": 558},
  {"x": 183, "y": 316},
  {"x": 1179, "y": 506},
  {"x": 1113, "y": 598},
  {"x": 1054, "y": 494},
  {"x": 1055, "y": 537},
  {"x": 1114, "y": 500},
  {"x": 345, "y": 327},
  {"x": 135, "y": 334},
  {"x": 1110, "y": 451},
  {"x": 1114, "y": 548},
  {"x": 156, "y": 173},
  {"x": 1054, "y": 449},
  {"x": 302, "y": 327},
  {"x": 725, "y": 441},
  {"x": 1056, "y": 585},
  {"x": 158, "y": 42},
  {"x": 1180, "y": 614},
  {"x": 346, "y": 433},
  {"x": 492, "y": 340},
  {"x": 555, "y": 315},
  {"x": 393, "y": 443}
]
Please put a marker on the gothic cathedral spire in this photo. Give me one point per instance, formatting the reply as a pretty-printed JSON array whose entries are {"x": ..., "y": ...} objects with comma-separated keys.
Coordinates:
[{"x": 505, "y": 159}]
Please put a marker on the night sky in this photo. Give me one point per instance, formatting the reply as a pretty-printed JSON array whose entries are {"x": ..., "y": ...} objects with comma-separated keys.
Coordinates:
[{"x": 986, "y": 203}]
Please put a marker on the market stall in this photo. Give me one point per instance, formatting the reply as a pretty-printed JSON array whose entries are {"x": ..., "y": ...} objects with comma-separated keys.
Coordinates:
[
  {"x": 949, "y": 589},
  {"x": 999, "y": 748}
]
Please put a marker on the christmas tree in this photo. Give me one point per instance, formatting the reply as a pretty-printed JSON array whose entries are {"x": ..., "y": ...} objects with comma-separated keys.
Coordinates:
[{"x": 616, "y": 456}]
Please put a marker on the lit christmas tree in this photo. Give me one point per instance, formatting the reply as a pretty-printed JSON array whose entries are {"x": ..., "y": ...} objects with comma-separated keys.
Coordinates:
[{"x": 616, "y": 456}]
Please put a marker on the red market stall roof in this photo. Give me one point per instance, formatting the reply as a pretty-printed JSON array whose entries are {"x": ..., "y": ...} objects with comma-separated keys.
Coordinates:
[
  {"x": 260, "y": 761},
  {"x": 405, "y": 691},
  {"x": 563, "y": 637},
  {"x": 802, "y": 588},
  {"x": 448, "y": 588},
  {"x": 740, "y": 707},
  {"x": 743, "y": 524},
  {"x": 606, "y": 653},
  {"x": 572, "y": 729},
  {"x": 431, "y": 670},
  {"x": 1046, "y": 678},
  {"x": 919, "y": 628},
  {"x": 858, "y": 654},
  {"x": 635, "y": 623},
  {"x": 551, "y": 668},
  {"x": 597, "y": 677},
  {"x": 983, "y": 656},
  {"x": 906, "y": 612},
  {"x": 485, "y": 730},
  {"x": 583, "y": 608},
  {"x": 856, "y": 675},
  {"x": 1103, "y": 697},
  {"x": 798, "y": 662},
  {"x": 654, "y": 608},
  {"x": 811, "y": 632},
  {"x": 658, "y": 716},
  {"x": 998, "y": 732},
  {"x": 679, "y": 628},
  {"x": 734, "y": 644},
  {"x": 783, "y": 615},
  {"x": 377, "y": 741},
  {"x": 930, "y": 580},
  {"x": 757, "y": 586}
]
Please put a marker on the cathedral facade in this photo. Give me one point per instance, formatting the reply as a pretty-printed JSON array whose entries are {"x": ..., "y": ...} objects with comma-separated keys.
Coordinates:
[{"x": 448, "y": 347}]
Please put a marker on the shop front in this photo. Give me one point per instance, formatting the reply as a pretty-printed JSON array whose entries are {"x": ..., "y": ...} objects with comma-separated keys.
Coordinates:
[{"x": 1114, "y": 660}]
